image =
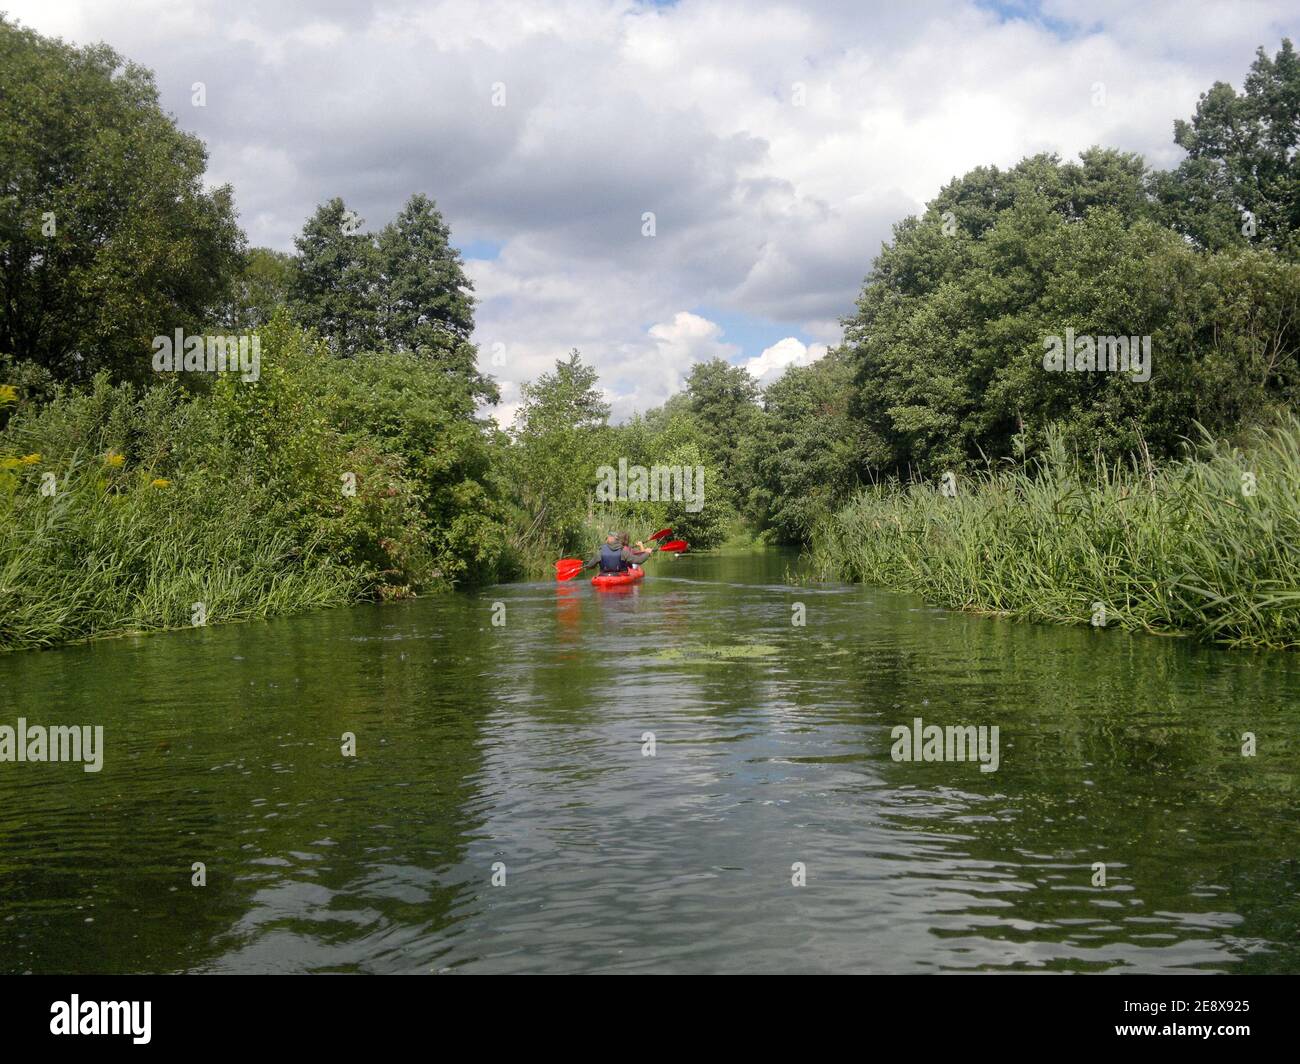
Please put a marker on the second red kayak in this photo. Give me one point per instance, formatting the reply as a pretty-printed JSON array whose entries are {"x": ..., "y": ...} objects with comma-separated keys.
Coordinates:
[{"x": 630, "y": 576}]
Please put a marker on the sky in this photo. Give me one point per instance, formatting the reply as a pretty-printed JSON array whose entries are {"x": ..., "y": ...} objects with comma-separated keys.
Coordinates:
[{"x": 659, "y": 184}]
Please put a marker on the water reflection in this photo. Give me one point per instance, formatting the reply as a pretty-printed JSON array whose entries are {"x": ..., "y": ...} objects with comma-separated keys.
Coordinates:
[{"x": 521, "y": 747}]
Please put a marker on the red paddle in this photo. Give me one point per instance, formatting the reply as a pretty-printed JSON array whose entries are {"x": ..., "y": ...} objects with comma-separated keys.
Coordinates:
[
  {"x": 674, "y": 546},
  {"x": 568, "y": 568},
  {"x": 663, "y": 533}
]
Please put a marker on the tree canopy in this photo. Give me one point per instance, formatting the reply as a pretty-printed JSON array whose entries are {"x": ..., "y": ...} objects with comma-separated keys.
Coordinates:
[
  {"x": 107, "y": 235},
  {"x": 1240, "y": 183}
]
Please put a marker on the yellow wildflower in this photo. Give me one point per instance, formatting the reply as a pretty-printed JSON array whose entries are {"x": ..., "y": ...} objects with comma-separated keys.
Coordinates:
[
  {"x": 114, "y": 459},
  {"x": 8, "y": 394},
  {"x": 29, "y": 459},
  {"x": 160, "y": 482}
]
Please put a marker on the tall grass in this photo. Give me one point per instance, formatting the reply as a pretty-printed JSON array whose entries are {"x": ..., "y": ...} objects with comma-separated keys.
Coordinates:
[
  {"x": 323, "y": 483},
  {"x": 113, "y": 551},
  {"x": 1207, "y": 547}
]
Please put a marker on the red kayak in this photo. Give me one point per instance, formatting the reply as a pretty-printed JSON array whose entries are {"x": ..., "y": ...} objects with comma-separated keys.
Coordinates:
[{"x": 628, "y": 576}]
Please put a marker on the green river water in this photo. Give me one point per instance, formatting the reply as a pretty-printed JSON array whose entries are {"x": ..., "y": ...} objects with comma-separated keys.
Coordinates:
[{"x": 520, "y": 746}]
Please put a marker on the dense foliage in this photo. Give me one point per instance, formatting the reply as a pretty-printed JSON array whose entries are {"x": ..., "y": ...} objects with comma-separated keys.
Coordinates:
[
  {"x": 122, "y": 507},
  {"x": 949, "y": 338},
  {"x": 107, "y": 235},
  {"x": 360, "y": 461}
]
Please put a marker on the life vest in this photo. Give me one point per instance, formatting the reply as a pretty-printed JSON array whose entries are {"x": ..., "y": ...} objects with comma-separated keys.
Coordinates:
[{"x": 611, "y": 559}]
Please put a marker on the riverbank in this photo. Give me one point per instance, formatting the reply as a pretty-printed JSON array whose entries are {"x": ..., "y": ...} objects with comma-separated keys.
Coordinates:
[
  {"x": 1204, "y": 548},
  {"x": 188, "y": 502}
]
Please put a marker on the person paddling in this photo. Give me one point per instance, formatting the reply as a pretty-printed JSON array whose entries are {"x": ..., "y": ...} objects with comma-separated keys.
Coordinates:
[
  {"x": 609, "y": 556},
  {"x": 617, "y": 556},
  {"x": 634, "y": 558}
]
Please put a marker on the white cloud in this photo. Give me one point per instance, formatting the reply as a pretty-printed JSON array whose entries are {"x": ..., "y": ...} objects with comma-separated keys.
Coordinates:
[
  {"x": 775, "y": 360},
  {"x": 690, "y": 338},
  {"x": 637, "y": 375}
]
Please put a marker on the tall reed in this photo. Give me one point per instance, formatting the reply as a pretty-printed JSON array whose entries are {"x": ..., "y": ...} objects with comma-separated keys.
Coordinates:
[
  {"x": 1207, "y": 547},
  {"x": 113, "y": 550}
]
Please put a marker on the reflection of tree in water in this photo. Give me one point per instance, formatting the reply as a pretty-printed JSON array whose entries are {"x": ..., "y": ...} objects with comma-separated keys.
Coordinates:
[
  {"x": 521, "y": 743},
  {"x": 1125, "y": 750},
  {"x": 224, "y": 747}
]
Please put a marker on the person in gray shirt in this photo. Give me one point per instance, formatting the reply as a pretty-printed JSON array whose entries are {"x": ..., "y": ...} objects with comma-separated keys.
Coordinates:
[{"x": 617, "y": 555}]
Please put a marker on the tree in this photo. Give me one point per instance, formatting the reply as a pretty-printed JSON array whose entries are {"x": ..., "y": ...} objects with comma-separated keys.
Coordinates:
[
  {"x": 560, "y": 435},
  {"x": 107, "y": 236},
  {"x": 724, "y": 400},
  {"x": 670, "y": 436},
  {"x": 427, "y": 306},
  {"x": 1240, "y": 182},
  {"x": 263, "y": 285},
  {"x": 805, "y": 450},
  {"x": 949, "y": 339},
  {"x": 409, "y": 407},
  {"x": 335, "y": 287},
  {"x": 1101, "y": 177},
  {"x": 404, "y": 290}
]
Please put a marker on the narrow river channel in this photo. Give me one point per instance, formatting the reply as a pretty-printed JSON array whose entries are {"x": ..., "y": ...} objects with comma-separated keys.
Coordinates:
[{"x": 517, "y": 752}]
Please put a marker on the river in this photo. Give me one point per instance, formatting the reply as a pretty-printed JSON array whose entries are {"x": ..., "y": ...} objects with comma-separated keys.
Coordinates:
[{"x": 506, "y": 810}]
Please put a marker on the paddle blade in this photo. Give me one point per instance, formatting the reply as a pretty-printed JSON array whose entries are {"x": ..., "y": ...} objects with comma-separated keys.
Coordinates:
[
  {"x": 568, "y": 568},
  {"x": 663, "y": 533},
  {"x": 674, "y": 546}
]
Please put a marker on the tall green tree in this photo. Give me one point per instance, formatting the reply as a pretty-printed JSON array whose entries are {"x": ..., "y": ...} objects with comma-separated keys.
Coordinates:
[
  {"x": 426, "y": 298},
  {"x": 107, "y": 235},
  {"x": 335, "y": 286},
  {"x": 424, "y": 277},
  {"x": 724, "y": 400},
  {"x": 804, "y": 451},
  {"x": 560, "y": 438},
  {"x": 401, "y": 290},
  {"x": 1240, "y": 182}
]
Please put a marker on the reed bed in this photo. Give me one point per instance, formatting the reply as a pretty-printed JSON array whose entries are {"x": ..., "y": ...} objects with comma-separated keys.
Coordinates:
[
  {"x": 113, "y": 552},
  {"x": 1205, "y": 547}
]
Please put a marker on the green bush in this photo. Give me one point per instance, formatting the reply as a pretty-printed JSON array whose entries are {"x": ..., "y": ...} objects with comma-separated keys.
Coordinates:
[
  {"x": 318, "y": 484},
  {"x": 414, "y": 410}
]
